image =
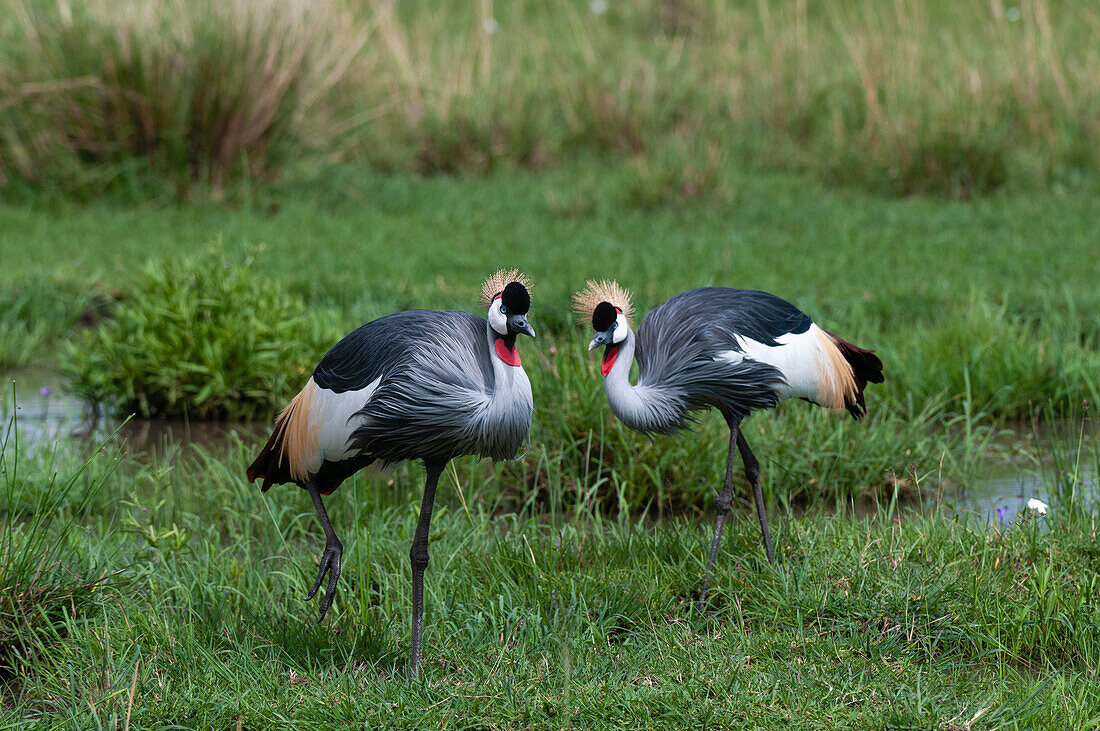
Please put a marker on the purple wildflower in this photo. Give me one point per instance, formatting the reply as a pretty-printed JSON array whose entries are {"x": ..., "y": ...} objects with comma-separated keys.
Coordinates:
[
  {"x": 45, "y": 390},
  {"x": 1002, "y": 512}
]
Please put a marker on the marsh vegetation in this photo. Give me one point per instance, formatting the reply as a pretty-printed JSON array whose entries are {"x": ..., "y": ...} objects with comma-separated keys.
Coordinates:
[{"x": 949, "y": 98}]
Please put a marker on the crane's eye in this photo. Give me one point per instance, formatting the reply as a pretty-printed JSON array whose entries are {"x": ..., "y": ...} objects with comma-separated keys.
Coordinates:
[
  {"x": 503, "y": 310},
  {"x": 614, "y": 325}
]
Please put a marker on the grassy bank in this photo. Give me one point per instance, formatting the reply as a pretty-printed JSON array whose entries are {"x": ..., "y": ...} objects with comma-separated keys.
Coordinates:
[
  {"x": 536, "y": 618},
  {"x": 166, "y": 98}
]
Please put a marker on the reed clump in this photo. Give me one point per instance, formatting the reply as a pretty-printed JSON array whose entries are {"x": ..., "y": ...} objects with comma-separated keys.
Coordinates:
[{"x": 179, "y": 91}]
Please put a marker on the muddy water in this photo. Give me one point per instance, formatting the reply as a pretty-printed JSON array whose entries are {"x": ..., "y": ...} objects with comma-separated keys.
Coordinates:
[{"x": 47, "y": 413}]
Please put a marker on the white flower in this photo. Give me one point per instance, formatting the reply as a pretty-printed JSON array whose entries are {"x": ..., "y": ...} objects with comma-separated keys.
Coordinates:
[
  {"x": 599, "y": 7},
  {"x": 490, "y": 25},
  {"x": 1038, "y": 506}
]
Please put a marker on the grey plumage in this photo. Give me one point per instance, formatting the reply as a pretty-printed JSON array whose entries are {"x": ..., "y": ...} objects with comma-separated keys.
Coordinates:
[
  {"x": 727, "y": 313},
  {"x": 681, "y": 370},
  {"x": 438, "y": 392},
  {"x": 447, "y": 399},
  {"x": 381, "y": 345}
]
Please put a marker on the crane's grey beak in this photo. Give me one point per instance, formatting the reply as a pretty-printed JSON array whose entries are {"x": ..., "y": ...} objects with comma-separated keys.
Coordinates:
[
  {"x": 607, "y": 336},
  {"x": 518, "y": 324}
]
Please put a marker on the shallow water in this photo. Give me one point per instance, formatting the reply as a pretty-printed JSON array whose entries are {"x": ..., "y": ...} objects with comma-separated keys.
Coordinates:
[
  {"x": 1002, "y": 497},
  {"x": 46, "y": 413}
]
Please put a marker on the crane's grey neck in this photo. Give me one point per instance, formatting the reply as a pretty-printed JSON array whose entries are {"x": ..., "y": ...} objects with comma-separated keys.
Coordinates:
[
  {"x": 510, "y": 406},
  {"x": 642, "y": 408}
]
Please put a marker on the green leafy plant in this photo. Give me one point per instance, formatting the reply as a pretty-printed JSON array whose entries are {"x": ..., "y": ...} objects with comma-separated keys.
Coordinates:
[{"x": 205, "y": 337}]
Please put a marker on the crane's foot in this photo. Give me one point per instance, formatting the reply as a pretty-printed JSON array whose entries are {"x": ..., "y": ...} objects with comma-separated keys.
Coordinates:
[{"x": 330, "y": 564}]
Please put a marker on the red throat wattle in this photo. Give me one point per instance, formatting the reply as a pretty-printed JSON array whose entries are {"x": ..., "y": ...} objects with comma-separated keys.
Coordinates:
[
  {"x": 609, "y": 356},
  {"x": 510, "y": 357}
]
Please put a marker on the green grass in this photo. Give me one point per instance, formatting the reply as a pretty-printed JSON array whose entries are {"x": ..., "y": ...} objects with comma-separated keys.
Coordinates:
[
  {"x": 38, "y": 310},
  {"x": 42, "y": 569},
  {"x": 545, "y": 618}
]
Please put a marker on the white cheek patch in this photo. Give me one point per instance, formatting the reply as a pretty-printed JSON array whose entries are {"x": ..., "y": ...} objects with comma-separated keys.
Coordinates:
[
  {"x": 621, "y": 329},
  {"x": 496, "y": 318}
]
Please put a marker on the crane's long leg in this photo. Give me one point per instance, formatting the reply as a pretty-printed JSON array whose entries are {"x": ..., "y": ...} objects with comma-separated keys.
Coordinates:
[
  {"x": 330, "y": 559},
  {"x": 752, "y": 474},
  {"x": 722, "y": 508},
  {"x": 419, "y": 556}
]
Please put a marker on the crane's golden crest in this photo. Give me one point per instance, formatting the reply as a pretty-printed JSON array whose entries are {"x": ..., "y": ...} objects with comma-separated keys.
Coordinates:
[
  {"x": 498, "y": 280},
  {"x": 601, "y": 290}
]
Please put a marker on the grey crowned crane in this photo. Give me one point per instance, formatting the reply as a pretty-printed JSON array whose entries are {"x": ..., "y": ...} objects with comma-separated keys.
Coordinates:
[
  {"x": 423, "y": 384},
  {"x": 735, "y": 350}
]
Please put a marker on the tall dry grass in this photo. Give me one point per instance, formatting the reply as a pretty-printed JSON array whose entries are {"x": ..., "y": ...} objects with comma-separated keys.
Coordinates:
[
  {"x": 956, "y": 98},
  {"x": 196, "y": 88}
]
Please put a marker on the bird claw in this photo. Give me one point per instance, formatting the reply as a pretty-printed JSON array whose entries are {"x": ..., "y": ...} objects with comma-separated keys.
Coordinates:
[{"x": 330, "y": 564}]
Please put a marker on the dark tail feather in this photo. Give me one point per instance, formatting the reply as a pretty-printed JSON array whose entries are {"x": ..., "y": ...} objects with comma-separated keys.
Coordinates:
[
  {"x": 267, "y": 465},
  {"x": 866, "y": 367}
]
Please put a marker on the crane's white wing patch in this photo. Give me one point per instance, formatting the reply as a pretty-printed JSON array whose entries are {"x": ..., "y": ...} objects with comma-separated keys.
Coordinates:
[
  {"x": 809, "y": 369},
  {"x": 329, "y": 418}
]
